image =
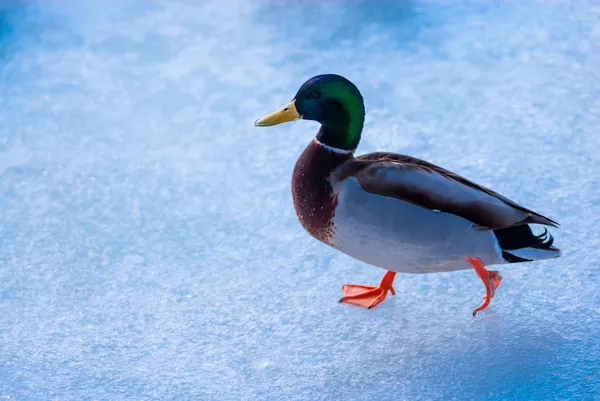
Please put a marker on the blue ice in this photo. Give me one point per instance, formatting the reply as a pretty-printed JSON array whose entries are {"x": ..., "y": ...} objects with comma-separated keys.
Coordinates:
[{"x": 149, "y": 249}]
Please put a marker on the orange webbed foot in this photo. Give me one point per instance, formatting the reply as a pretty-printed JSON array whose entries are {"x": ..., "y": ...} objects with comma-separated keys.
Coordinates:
[
  {"x": 491, "y": 280},
  {"x": 368, "y": 296}
]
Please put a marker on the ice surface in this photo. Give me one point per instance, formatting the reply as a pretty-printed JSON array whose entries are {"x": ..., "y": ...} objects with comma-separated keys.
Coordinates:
[{"x": 148, "y": 244}]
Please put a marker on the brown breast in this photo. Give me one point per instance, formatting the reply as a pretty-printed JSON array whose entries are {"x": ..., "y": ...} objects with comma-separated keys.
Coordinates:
[{"x": 312, "y": 192}]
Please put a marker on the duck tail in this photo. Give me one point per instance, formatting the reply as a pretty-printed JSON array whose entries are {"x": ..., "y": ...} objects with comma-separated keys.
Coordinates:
[{"x": 520, "y": 244}]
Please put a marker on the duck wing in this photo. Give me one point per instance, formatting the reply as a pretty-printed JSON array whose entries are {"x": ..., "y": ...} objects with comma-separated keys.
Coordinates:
[{"x": 429, "y": 186}]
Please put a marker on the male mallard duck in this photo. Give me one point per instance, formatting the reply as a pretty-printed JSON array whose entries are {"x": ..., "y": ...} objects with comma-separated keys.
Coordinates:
[{"x": 397, "y": 212}]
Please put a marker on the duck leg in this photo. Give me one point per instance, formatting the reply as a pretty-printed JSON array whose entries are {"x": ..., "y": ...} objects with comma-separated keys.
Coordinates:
[
  {"x": 491, "y": 280},
  {"x": 368, "y": 296}
]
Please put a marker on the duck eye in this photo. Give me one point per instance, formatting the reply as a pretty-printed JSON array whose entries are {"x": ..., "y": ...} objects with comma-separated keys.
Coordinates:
[{"x": 314, "y": 94}]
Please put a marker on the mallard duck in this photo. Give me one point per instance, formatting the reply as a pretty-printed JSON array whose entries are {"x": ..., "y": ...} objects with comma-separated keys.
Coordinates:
[{"x": 396, "y": 212}]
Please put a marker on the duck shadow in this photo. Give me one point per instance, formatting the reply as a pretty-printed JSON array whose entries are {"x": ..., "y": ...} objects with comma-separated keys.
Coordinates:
[{"x": 486, "y": 359}]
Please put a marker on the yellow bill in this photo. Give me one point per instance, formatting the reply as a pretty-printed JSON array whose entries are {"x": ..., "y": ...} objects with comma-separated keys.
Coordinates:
[{"x": 286, "y": 114}]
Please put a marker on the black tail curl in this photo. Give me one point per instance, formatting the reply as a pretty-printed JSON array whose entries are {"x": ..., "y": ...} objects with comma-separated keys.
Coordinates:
[{"x": 519, "y": 237}]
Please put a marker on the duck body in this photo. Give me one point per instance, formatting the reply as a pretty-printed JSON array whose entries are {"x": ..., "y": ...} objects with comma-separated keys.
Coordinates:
[
  {"x": 397, "y": 212},
  {"x": 396, "y": 234}
]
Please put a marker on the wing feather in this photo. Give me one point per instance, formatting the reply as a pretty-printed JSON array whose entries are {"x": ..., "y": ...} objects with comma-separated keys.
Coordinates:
[{"x": 427, "y": 185}]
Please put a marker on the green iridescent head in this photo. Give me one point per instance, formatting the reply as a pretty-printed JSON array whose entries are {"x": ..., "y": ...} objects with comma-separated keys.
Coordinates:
[{"x": 333, "y": 101}]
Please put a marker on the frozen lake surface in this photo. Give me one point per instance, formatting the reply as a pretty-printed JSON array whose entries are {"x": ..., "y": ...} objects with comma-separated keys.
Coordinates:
[{"x": 149, "y": 248}]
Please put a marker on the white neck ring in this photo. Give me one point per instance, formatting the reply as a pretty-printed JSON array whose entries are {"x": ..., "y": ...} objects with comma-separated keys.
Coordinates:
[{"x": 334, "y": 150}]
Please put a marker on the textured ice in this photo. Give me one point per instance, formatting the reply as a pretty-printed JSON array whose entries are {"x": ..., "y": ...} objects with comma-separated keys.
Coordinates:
[{"x": 148, "y": 244}]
